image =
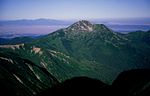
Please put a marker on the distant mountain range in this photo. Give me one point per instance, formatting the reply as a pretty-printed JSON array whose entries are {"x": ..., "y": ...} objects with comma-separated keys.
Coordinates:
[
  {"x": 108, "y": 21},
  {"x": 34, "y": 22},
  {"x": 82, "y": 49},
  {"x": 28, "y": 27}
]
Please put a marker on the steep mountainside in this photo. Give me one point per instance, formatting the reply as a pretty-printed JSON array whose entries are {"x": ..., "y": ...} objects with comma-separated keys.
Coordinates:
[
  {"x": 82, "y": 49},
  {"x": 96, "y": 47}
]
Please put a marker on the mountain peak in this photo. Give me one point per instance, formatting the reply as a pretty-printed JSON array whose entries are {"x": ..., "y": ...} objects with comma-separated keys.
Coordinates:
[
  {"x": 83, "y": 26},
  {"x": 86, "y": 26}
]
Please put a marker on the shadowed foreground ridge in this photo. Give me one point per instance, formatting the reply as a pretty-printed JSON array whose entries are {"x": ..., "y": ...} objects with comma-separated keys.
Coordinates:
[
  {"x": 77, "y": 86},
  {"x": 129, "y": 83},
  {"x": 133, "y": 83}
]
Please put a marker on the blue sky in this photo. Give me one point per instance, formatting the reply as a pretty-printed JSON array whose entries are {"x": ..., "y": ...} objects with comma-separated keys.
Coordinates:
[{"x": 73, "y": 9}]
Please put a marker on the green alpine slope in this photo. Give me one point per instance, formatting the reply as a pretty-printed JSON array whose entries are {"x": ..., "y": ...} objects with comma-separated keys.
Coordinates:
[{"x": 82, "y": 49}]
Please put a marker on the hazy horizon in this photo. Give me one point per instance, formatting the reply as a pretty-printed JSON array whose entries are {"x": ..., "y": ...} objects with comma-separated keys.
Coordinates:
[
  {"x": 119, "y": 15},
  {"x": 73, "y": 9}
]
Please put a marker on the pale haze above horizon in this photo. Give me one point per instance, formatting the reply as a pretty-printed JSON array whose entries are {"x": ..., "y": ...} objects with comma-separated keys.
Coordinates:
[{"x": 73, "y": 9}]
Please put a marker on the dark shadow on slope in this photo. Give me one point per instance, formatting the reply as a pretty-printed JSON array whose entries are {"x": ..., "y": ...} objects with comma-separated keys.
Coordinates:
[
  {"x": 77, "y": 86},
  {"x": 128, "y": 83},
  {"x": 24, "y": 82},
  {"x": 132, "y": 83}
]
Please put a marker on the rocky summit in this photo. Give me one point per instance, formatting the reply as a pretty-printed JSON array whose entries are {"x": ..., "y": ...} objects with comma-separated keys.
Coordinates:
[
  {"x": 82, "y": 25},
  {"x": 86, "y": 26}
]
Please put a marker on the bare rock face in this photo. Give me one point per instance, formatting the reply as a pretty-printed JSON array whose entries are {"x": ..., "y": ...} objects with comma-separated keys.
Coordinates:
[
  {"x": 83, "y": 26},
  {"x": 86, "y": 26}
]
